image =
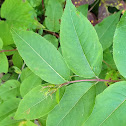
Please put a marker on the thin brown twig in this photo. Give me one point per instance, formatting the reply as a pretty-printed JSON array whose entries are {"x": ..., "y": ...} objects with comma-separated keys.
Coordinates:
[
  {"x": 43, "y": 4},
  {"x": 53, "y": 33},
  {"x": 93, "y": 6},
  {"x": 90, "y": 80},
  {"x": 8, "y": 50}
]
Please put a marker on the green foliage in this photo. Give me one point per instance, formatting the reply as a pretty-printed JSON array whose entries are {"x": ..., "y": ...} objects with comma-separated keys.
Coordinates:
[
  {"x": 109, "y": 105},
  {"x": 56, "y": 68},
  {"x": 53, "y": 15},
  {"x": 78, "y": 32},
  {"x": 39, "y": 62}
]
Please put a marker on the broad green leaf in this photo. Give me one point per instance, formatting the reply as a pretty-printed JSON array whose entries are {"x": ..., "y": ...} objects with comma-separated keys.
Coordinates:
[
  {"x": 1, "y": 43},
  {"x": 79, "y": 42},
  {"x": 52, "y": 39},
  {"x": 29, "y": 83},
  {"x": 106, "y": 29},
  {"x": 9, "y": 89},
  {"x": 7, "y": 107},
  {"x": 35, "y": 3},
  {"x": 36, "y": 104},
  {"x": 75, "y": 106},
  {"x": 5, "y": 33},
  {"x": 119, "y": 46},
  {"x": 19, "y": 13},
  {"x": 17, "y": 60},
  {"x": 83, "y": 9},
  {"x": 10, "y": 121},
  {"x": 109, "y": 109},
  {"x": 26, "y": 72},
  {"x": 53, "y": 15},
  {"x": 3, "y": 63},
  {"x": 41, "y": 57}
]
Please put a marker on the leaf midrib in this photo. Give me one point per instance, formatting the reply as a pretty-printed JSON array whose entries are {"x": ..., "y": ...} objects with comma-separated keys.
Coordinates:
[
  {"x": 80, "y": 42},
  {"x": 113, "y": 111},
  {"x": 40, "y": 56},
  {"x": 74, "y": 105}
]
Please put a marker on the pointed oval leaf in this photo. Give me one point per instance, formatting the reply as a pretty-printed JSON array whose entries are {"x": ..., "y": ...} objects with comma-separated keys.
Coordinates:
[
  {"x": 119, "y": 46},
  {"x": 106, "y": 29},
  {"x": 53, "y": 15},
  {"x": 41, "y": 57},
  {"x": 19, "y": 13},
  {"x": 36, "y": 104},
  {"x": 79, "y": 42},
  {"x": 75, "y": 106},
  {"x": 29, "y": 83},
  {"x": 109, "y": 109}
]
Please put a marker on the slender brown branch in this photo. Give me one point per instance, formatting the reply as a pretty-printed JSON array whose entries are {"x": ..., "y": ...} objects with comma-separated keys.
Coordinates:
[
  {"x": 53, "y": 33},
  {"x": 93, "y": 6},
  {"x": 90, "y": 80},
  {"x": 43, "y": 4},
  {"x": 8, "y": 50}
]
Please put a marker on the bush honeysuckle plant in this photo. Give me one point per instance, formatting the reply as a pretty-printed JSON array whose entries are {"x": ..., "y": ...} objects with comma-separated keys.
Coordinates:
[{"x": 57, "y": 69}]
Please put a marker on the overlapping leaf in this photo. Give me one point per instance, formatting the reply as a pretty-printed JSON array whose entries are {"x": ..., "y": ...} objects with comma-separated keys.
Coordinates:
[
  {"x": 75, "y": 106},
  {"x": 37, "y": 103},
  {"x": 53, "y": 15},
  {"x": 119, "y": 46},
  {"x": 41, "y": 57},
  {"x": 79, "y": 42},
  {"x": 106, "y": 29},
  {"x": 109, "y": 107}
]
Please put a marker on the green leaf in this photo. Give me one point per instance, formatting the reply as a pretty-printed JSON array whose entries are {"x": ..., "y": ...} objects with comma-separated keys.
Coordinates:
[
  {"x": 19, "y": 13},
  {"x": 27, "y": 123},
  {"x": 119, "y": 46},
  {"x": 108, "y": 58},
  {"x": 83, "y": 9},
  {"x": 7, "y": 107},
  {"x": 36, "y": 104},
  {"x": 109, "y": 109},
  {"x": 106, "y": 29},
  {"x": 17, "y": 60},
  {"x": 53, "y": 15},
  {"x": 3, "y": 63},
  {"x": 29, "y": 83},
  {"x": 79, "y": 42},
  {"x": 35, "y": 3},
  {"x": 10, "y": 121},
  {"x": 1, "y": 43},
  {"x": 9, "y": 89},
  {"x": 26, "y": 72},
  {"x": 75, "y": 106},
  {"x": 5, "y": 33},
  {"x": 41, "y": 57},
  {"x": 16, "y": 70},
  {"x": 52, "y": 39}
]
